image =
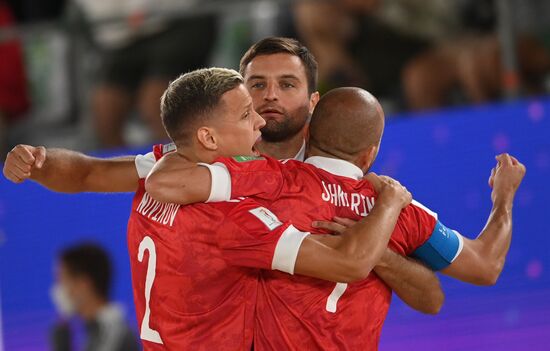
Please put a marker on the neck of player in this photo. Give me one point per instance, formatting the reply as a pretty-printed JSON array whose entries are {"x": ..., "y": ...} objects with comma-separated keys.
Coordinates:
[
  {"x": 283, "y": 149},
  {"x": 313, "y": 150}
]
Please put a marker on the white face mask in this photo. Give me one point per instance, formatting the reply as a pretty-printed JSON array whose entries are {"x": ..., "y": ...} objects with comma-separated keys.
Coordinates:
[{"x": 63, "y": 303}]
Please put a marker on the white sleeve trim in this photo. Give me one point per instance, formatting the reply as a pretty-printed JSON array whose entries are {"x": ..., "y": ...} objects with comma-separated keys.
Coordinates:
[
  {"x": 220, "y": 189},
  {"x": 460, "y": 245},
  {"x": 144, "y": 164},
  {"x": 286, "y": 251}
]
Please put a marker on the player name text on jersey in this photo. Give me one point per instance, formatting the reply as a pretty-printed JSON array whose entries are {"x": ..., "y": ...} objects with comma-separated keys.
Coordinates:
[
  {"x": 358, "y": 203},
  {"x": 157, "y": 211}
]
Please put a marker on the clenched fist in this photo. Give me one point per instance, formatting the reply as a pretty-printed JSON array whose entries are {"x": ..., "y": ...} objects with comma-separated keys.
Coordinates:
[
  {"x": 506, "y": 177},
  {"x": 22, "y": 160}
]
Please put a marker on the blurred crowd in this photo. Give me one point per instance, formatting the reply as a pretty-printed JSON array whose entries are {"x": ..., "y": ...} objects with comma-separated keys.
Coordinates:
[{"x": 88, "y": 74}]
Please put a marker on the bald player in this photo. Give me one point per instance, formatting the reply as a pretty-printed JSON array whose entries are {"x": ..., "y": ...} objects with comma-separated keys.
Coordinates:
[
  {"x": 348, "y": 125},
  {"x": 355, "y": 113},
  {"x": 282, "y": 184}
]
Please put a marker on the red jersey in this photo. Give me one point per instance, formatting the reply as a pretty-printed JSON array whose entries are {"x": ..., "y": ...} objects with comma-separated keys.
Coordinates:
[
  {"x": 192, "y": 288},
  {"x": 302, "y": 313}
]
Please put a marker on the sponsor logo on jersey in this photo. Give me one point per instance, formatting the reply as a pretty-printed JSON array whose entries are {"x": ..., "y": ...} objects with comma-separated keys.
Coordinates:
[
  {"x": 266, "y": 217},
  {"x": 247, "y": 158}
]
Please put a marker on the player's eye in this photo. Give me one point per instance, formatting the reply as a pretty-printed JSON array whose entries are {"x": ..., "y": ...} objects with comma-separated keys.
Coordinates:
[
  {"x": 258, "y": 85},
  {"x": 287, "y": 85},
  {"x": 246, "y": 115}
]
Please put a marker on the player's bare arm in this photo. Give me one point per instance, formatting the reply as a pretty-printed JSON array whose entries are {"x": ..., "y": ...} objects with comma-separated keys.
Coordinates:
[
  {"x": 414, "y": 283},
  {"x": 481, "y": 260},
  {"x": 69, "y": 171},
  {"x": 173, "y": 179}
]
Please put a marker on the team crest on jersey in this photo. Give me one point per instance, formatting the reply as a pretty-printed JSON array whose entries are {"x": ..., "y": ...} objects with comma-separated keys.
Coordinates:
[
  {"x": 266, "y": 217},
  {"x": 247, "y": 158}
]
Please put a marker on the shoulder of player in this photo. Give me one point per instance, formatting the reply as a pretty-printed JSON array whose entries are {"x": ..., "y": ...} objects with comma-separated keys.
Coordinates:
[
  {"x": 365, "y": 185},
  {"x": 245, "y": 161},
  {"x": 416, "y": 215}
]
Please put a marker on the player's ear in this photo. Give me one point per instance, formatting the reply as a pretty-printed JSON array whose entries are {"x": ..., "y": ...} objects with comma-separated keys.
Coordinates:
[
  {"x": 373, "y": 152},
  {"x": 366, "y": 157},
  {"x": 207, "y": 139},
  {"x": 313, "y": 100}
]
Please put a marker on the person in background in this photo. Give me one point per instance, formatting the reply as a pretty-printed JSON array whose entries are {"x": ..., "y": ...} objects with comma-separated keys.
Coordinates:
[
  {"x": 82, "y": 290},
  {"x": 143, "y": 45},
  {"x": 367, "y": 42},
  {"x": 423, "y": 54},
  {"x": 468, "y": 65}
]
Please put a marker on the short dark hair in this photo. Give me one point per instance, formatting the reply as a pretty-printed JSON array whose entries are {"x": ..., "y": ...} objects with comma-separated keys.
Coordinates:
[
  {"x": 192, "y": 97},
  {"x": 278, "y": 45},
  {"x": 91, "y": 261}
]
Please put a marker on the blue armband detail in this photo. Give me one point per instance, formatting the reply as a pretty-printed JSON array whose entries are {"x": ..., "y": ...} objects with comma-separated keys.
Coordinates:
[{"x": 441, "y": 249}]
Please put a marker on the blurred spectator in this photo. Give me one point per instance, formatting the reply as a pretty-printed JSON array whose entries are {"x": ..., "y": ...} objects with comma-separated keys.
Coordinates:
[
  {"x": 367, "y": 42},
  {"x": 471, "y": 63},
  {"x": 82, "y": 290},
  {"x": 143, "y": 45},
  {"x": 430, "y": 52},
  {"x": 14, "y": 101}
]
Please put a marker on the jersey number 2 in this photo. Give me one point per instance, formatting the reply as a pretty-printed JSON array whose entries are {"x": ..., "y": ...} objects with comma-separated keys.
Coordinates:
[{"x": 146, "y": 332}]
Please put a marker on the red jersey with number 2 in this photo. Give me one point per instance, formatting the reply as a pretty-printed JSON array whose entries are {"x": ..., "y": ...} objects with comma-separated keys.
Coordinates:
[{"x": 192, "y": 288}]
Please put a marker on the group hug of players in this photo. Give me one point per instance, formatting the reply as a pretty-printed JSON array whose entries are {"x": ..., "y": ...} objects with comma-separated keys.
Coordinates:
[{"x": 278, "y": 242}]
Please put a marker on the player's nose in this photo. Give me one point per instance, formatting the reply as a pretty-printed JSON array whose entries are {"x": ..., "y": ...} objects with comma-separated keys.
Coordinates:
[
  {"x": 271, "y": 92},
  {"x": 259, "y": 121}
]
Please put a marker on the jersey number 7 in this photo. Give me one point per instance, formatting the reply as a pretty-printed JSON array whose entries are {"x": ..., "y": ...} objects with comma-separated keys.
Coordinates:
[{"x": 336, "y": 294}]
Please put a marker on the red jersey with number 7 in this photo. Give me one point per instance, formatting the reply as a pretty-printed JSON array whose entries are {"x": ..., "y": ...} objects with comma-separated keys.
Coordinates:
[
  {"x": 302, "y": 313},
  {"x": 194, "y": 282}
]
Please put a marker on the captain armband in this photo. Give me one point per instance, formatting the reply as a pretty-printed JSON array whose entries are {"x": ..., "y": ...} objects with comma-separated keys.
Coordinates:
[{"x": 441, "y": 249}]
